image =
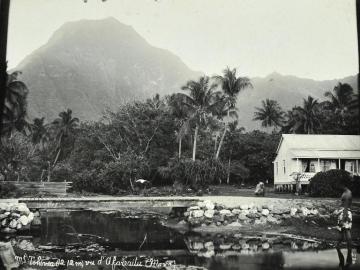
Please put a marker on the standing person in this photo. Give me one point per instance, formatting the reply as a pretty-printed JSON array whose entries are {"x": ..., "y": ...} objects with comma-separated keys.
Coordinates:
[{"x": 344, "y": 225}]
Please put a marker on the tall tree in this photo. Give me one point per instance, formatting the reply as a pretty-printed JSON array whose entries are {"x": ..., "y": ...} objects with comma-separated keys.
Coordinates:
[
  {"x": 202, "y": 102},
  {"x": 306, "y": 119},
  {"x": 14, "y": 110},
  {"x": 231, "y": 86},
  {"x": 64, "y": 126},
  {"x": 39, "y": 132},
  {"x": 270, "y": 114},
  {"x": 339, "y": 100}
]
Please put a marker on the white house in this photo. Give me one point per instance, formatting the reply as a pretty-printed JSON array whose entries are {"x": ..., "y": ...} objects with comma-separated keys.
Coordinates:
[{"x": 305, "y": 155}]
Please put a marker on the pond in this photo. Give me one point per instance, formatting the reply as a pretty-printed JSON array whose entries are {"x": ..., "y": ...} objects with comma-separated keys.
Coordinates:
[{"x": 120, "y": 240}]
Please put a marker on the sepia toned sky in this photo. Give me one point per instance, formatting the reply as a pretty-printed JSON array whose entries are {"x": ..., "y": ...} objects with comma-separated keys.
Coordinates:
[{"x": 307, "y": 38}]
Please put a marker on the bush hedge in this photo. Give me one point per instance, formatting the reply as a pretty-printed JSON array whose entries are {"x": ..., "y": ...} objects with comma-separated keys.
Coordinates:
[{"x": 331, "y": 183}]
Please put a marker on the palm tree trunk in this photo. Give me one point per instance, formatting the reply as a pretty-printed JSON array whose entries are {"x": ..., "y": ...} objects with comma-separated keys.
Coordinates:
[
  {"x": 4, "y": 20},
  {"x": 228, "y": 172},
  {"x": 194, "y": 145},
  {"x": 57, "y": 157},
  {"x": 222, "y": 137},
  {"x": 221, "y": 143},
  {"x": 180, "y": 140}
]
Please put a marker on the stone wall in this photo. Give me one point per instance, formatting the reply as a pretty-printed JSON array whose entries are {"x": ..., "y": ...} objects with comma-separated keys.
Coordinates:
[
  {"x": 15, "y": 217},
  {"x": 207, "y": 213}
]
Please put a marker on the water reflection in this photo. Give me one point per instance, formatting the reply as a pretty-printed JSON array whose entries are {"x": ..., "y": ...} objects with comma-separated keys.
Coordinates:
[{"x": 88, "y": 234}]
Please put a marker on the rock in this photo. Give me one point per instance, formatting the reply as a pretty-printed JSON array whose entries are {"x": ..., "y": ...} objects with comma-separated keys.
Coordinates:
[
  {"x": 8, "y": 230},
  {"x": 207, "y": 254},
  {"x": 235, "y": 224},
  {"x": 225, "y": 212},
  {"x": 22, "y": 208},
  {"x": 244, "y": 207},
  {"x": 236, "y": 211},
  {"x": 236, "y": 247},
  {"x": 186, "y": 213},
  {"x": 218, "y": 218},
  {"x": 293, "y": 211},
  {"x": 245, "y": 246},
  {"x": 265, "y": 212},
  {"x": 31, "y": 217},
  {"x": 218, "y": 223},
  {"x": 37, "y": 214},
  {"x": 273, "y": 220},
  {"x": 192, "y": 208},
  {"x": 225, "y": 246},
  {"x": 253, "y": 211},
  {"x": 253, "y": 215},
  {"x": 15, "y": 215},
  {"x": 23, "y": 220},
  {"x": 245, "y": 212},
  {"x": 277, "y": 211},
  {"x": 197, "y": 213},
  {"x": 242, "y": 217},
  {"x": 201, "y": 204},
  {"x": 209, "y": 245},
  {"x": 13, "y": 223},
  {"x": 19, "y": 226},
  {"x": 265, "y": 246},
  {"x": 182, "y": 223},
  {"x": 197, "y": 245},
  {"x": 225, "y": 222},
  {"x": 314, "y": 212},
  {"x": 209, "y": 213},
  {"x": 209, "y": 205},
  {"x": 304, "y": 211}
]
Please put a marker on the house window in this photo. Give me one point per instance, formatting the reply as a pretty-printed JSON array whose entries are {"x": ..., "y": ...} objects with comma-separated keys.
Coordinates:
[
  {"x": 312, "y": 167},
  {"x": 284, "y": 166}
]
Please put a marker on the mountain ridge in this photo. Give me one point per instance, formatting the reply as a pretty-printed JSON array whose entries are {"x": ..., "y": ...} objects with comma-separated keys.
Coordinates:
[{"x": 91, "y": 65}]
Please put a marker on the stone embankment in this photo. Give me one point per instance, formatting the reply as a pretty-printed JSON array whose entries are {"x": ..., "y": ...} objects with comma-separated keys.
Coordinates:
[
  {"x": 207, "y": 213},
  {"x": 15, "y": 217}
]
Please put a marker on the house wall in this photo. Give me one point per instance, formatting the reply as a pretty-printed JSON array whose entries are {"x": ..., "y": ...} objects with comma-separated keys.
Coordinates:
[{"x": 284, "y": 154}]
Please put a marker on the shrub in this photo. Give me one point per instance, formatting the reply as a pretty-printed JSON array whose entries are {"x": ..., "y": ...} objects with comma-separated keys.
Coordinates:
[
  {"x": 330, "y": 184},
  {"x": 8, "y": 190},
  {"x": 115, "y": 177},
  {"x": 199, "y": 173}
]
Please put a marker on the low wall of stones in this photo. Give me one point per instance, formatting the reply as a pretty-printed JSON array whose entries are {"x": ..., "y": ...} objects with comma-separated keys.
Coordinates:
[
  {"x": 207, "y": 213},
  {"x": 15, "y": 217}
]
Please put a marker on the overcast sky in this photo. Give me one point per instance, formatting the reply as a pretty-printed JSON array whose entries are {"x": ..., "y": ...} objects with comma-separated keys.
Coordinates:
[{"x": 307, "y": 38}]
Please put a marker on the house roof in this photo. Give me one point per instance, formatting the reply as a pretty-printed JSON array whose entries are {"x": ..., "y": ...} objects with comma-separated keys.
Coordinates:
[
  {"x": 327, "y": 154},
  {"x": 321, "y": 142}
]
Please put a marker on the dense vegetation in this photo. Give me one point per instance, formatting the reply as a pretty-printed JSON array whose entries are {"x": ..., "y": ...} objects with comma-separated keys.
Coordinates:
[
  {"x": 332, "y": 182},
  {"x": 190, "y": 138}
]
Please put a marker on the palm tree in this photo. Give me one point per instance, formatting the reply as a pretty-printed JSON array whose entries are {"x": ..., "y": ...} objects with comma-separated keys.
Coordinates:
[
  {"x": 270, "y": 114},
  {"x": 231, "y": 87},
  {"x": 39, "y": 132},
  {"x": 65, "y": 126},
  {"x": 201, "y": 103},
  {"x": 234, "y": 132},
  {"x": 340, "y": 99},
  {"x": 14, "y": 113},
  {"x": 307, "y": 118}
]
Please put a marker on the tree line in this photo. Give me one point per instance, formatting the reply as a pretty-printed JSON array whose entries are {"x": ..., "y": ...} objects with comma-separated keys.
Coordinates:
[{"x": 191, "y": 138}]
